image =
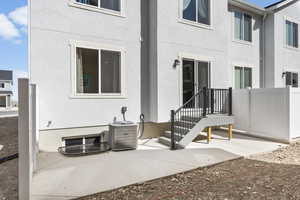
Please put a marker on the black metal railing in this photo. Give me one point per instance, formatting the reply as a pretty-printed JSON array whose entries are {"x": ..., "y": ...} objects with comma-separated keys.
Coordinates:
[{"x": 206, "y": 102}]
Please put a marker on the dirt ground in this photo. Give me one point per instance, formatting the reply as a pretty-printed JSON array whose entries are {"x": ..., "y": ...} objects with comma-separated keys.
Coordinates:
[
  {"x": 9, "y": 170},
  {"x": 274, "y": 176}
]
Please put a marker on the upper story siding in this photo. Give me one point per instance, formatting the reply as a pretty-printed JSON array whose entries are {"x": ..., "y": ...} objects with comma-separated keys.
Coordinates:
[
  {"x": 171, "y": 37},
  {"x": 55, "y": 25},
  {"x": 279, "y": 56},
  {"x": 243, "y": 53}
]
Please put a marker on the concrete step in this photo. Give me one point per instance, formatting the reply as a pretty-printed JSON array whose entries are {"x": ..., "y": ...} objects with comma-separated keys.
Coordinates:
[{"x": 165, "y": 141}]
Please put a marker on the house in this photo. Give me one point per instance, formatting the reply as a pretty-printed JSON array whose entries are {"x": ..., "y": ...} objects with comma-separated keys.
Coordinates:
[
  {"x": 282, "y": 63},
  {"x": 89, "y": 58},
  {"x": 6, "y": 82}
]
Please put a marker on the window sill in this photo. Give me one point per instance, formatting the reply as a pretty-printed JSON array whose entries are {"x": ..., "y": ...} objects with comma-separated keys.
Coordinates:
[
  {"x": 96, "y": 9},
  {"x": 196, "y": 24},
  {"x": 243, "y": 42},
  {"x": 292, "y": 48},
  {"x": 97, "y": 96}
]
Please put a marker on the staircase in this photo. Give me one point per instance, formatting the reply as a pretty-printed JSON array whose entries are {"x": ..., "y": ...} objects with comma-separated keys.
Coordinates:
[{"x": 208, "y": 108}]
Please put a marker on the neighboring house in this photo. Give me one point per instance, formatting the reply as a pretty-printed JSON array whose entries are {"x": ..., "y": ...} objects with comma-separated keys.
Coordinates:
[
  {"x": 282, "y": 51},
  {"x": 6, "y": 82},
  {"x": 91, "y": 57}
]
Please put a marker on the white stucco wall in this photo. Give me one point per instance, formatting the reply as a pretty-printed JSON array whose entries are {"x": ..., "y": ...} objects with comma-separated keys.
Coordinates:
[
  {"x": 245, "y": 54},
  {"x": 53, "y": 24},
  {"x": 284, "y": 59},
  {"x": 176, "y": 40}
]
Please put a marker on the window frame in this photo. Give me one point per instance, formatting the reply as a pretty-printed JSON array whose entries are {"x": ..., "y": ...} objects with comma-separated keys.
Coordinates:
[
  {"x": 196, "y": 23},
  {"x": 121, "y": 13},
  {"x": 242, "y": 41},
  {"x": 285, "y": 33},
  {"x": 80, "y": 44},
  {"x": 243, "y": 75}
]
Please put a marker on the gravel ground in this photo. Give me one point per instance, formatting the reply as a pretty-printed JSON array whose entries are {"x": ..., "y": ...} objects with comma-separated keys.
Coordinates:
[
  {"x": 274, "y": 176},
  {"x": 9, "y": 170}
]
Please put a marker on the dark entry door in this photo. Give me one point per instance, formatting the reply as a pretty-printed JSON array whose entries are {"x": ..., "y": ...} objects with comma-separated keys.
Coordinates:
[
  {"x": 188, "y": 80},
  {"x": 196, "y": 75}
]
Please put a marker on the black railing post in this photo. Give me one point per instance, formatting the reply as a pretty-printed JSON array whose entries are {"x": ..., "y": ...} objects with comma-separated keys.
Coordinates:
[
  {"x": 212, "y": 101},
  {"x": 204, "y": 102},
  {"x": 173, "y": 146},
  {"x": 230, "y": 101}
]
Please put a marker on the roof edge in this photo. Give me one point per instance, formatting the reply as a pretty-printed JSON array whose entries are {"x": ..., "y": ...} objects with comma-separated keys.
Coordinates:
[
  {"x": 278, "y": 5},
  {"x": 248, "y": 6}
]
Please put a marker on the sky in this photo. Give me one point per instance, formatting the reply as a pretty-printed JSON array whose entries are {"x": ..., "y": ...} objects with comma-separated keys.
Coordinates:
[{"x": 13, "y": 36}]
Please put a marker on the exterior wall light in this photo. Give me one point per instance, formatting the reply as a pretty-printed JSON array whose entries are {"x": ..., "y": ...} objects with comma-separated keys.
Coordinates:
[{"x": 176, "y": 63}]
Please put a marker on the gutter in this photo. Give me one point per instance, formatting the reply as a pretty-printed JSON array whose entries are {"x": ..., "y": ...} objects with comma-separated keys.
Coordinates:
[{"x": 248, "y": 6}]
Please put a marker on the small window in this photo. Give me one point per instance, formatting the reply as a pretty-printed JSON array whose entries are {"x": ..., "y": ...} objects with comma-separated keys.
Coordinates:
[
  {"x": 111, "y": 4},
  {"x": 75, "y": 144},
  {"x": 291, "y": 79},
  {"x": 197, "y": 11},
  {"x": 82, "y": 144},
  {"x": 89, "y": 2},
  {"x": 242, "y": 26},
  {"x": 292, "y": 34},
  {"x": 243, "y": 77},
  {"x": 98, "y": 71},
  {"x": 2, "y": 85},
  {"x": 114, "y": 5}
]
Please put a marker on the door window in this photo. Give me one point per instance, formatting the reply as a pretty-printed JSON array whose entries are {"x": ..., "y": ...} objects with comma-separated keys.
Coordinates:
[{"x": 196, "y": 76}]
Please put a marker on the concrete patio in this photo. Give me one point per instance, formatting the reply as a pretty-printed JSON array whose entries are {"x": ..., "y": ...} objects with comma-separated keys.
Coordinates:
[{"x": 61, "y": 178}]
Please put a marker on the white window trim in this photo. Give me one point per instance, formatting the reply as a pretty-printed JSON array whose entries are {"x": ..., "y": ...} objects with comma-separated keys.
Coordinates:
[
  {"x": 192, "y": 23},
  {"x": 286, "y": 18},
  {"x": 234, "y": 65},
  {"x": 121, "y": 13},
  {"x": 233, "y": 28},
  {"x": 200, "y": 58},
  {"x": 89, "y": 45}
]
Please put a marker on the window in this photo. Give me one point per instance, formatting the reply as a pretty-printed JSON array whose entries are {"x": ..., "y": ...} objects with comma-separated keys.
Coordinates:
[
  {"x": 197, "y": 11},
  {"x": 242, "y": 26},
  {"x": 82, "y": 144},
  {"x": 114, "y": 5},
  {"x": 98, "y": 72},
  {"x": 291, "y": 79},
  {"x": 89, "y": 2},
  {"x": 243, "y": 77},
  {"x": 291, "y": 34},
  {"x": 2, "y": 85}
]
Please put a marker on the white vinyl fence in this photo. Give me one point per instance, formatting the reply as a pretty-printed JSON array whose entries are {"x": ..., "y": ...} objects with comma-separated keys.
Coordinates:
[
  {"x": 270, "y": 113},
  {"x": 27, "y": 136}
]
